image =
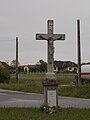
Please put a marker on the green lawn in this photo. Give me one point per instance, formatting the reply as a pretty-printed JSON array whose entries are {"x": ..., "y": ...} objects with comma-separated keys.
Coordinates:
[
  {"x": 36, "y": 114},
  {"x": 64, "y": 78},
  {"x": 33, "y": 83}
]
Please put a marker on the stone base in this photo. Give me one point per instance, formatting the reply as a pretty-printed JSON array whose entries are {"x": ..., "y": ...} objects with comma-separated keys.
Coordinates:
[
  {"x": 50, "y": 90},
  {"x": 51, "y": 93}
]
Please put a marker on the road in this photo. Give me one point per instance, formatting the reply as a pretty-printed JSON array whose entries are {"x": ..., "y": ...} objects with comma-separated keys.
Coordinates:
[{"x": 21, "y": 99}]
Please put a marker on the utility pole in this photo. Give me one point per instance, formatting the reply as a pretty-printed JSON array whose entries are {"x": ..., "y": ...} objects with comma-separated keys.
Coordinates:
[
  {"x": 79, "y": 51},
  {"x": 17, "y": 59}
]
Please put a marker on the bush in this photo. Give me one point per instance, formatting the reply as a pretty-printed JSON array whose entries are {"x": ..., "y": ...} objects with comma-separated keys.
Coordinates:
[{"x": 4, "y": 75}]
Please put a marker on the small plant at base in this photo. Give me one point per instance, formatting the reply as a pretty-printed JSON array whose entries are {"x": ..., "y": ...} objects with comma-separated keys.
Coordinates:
[{"x": 48, "y": 109}]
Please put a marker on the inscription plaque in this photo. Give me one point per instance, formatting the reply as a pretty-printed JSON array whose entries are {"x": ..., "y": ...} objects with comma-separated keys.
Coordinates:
[{"x": 51, "y": 94}]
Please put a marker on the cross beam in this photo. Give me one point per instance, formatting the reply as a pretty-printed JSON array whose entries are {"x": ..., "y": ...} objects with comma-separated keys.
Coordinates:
[
  {"x": 53, "y": 36},
  {"x": 50, "y": 37}
]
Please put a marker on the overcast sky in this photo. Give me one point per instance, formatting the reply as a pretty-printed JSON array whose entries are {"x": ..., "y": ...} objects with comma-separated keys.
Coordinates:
[{"x": 25, "y": 18}]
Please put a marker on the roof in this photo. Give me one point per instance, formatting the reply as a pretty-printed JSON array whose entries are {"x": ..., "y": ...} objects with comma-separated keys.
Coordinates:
[
  {"x": 65, "y": 64},
  {"x": 5, "y": 65},
  {"x": 29, "y": 66}
]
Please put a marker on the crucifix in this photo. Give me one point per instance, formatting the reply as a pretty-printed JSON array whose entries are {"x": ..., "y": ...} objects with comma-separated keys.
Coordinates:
[
  {"x": 50, "y": 37},
  {"x": 50, "y": 75}
]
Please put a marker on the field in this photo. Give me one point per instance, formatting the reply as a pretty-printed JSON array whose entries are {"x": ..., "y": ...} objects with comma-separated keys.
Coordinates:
[
  {"x": 36, "y": 114},
  {"x": 32, "y": 82}
]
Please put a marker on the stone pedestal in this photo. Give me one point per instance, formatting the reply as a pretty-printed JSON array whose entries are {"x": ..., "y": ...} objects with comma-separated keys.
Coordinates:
[{"x": 50, "y": 90}]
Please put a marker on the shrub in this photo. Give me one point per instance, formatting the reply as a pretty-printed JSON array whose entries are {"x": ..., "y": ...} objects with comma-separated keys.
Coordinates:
[{"x": 4, "y": 75}]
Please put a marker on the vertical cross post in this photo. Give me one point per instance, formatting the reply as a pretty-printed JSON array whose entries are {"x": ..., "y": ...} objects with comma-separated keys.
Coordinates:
[
  {"x": 50, "y": 51},
  {"x": 50, "y": 47}
]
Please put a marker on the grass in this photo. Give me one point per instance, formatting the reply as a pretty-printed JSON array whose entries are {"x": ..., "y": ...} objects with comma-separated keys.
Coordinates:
[
  {"x": 74, "y": 91},
  {"x": 64, "y": 78},
  {"x": 33, "y": 83},
  {"x": 36, "y": 114}
]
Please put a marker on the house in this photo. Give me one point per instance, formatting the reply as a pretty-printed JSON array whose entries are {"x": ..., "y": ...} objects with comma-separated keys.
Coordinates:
[
  {"x": 24, "y": 68},
  {"x": 27, "y": 68},
  {"x": 5, "y": 65},
  {"x": 65, "y": 66}
]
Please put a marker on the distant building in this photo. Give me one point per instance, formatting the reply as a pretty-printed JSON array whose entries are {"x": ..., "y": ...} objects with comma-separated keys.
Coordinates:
[
  {"x": 27, "y": 68},
  {"x": 5, "y": 65},
  {"x": 65, "y": 66}
]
